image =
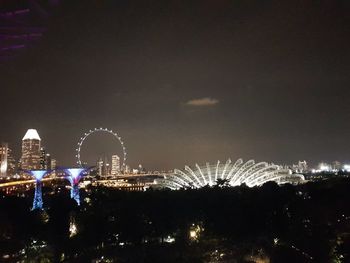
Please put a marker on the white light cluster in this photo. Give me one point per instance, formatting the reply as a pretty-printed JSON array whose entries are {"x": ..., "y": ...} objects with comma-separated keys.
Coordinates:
[
  {"x": 249, "y": 173},
  {"x": 346, "y": 167}
]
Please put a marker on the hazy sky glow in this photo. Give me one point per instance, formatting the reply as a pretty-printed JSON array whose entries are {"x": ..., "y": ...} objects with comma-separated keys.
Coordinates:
[{"x": 187, "y": 81}]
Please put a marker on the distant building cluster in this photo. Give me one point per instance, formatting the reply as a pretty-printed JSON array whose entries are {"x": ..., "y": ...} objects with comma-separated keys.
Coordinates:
[
  {"x": 322, "y": 167},
  {"x": 333, "y": 167},
  {"x": 105, "y": 169},
  {"x": 33, "y": 157}
]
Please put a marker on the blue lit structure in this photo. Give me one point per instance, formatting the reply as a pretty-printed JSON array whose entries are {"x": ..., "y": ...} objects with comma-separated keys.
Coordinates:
[
  {"x": 38, "y": 198},
  {"x": 74, "y": 175}
]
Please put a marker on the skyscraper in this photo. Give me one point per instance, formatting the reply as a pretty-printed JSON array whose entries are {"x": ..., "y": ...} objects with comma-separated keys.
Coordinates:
[
  {"x": 53, "y": 164},
  {"x": 45, "y": 159},
  {"x": 3, "y": 160},
  {"x": 100, "y": 166},
  {"x": 30, "y": 159},
  {"x": 115, "y": 165},
  {"x": 7, "y": 162}
]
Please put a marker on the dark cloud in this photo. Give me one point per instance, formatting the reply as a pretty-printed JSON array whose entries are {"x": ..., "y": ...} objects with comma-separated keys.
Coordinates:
[{"x": 202, "y": 102}]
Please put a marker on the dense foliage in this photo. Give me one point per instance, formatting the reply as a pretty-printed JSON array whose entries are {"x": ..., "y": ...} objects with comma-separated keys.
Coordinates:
[{"x": 305, "y": 223}]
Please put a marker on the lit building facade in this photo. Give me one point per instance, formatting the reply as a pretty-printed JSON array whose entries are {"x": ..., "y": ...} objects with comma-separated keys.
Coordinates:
[
  {"x": 115, "y": 165},
  {"x": 3, "y": 160},
  {"x": 53, "y": 164},
  {"x": 31, "y": 154},
  {"x": 7, "y": 162},
  {"x": 103, "y": 167},
  {"x": 45, "y": 159}
]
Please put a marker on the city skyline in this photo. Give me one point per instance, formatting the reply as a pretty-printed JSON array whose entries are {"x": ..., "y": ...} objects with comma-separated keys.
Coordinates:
[
  {"x": 175, "y": 131},
  {"x": 266, "y": 81},
  {"x": 35, "y": 157}
]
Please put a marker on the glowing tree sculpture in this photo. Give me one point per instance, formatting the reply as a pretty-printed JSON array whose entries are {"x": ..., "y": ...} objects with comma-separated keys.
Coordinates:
[
  {"x": 232, "y": 174},
  {"x": 74, "y": 176},
  {"x": 38, "y": 198}
]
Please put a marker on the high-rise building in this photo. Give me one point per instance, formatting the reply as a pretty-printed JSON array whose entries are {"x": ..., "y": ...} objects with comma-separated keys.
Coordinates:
[
  {"x": 103, "y": 167},
  {"x": 100, "y": 167},
  {"x": 42, "y": 158},
  {"x": 48, "y": 161},
  {"x": 45, "y": 159},
  {"x": 30, "y": 159},
  {"x": 7, "y": 162},
  {"x": 53, "y": 164},
  {"x": 115, "y": 165},
  {"x": 3, "y": 160}
]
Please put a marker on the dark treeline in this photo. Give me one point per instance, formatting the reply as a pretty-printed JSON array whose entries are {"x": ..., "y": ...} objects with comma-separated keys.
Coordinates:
[{"x": 271, "y": 223}]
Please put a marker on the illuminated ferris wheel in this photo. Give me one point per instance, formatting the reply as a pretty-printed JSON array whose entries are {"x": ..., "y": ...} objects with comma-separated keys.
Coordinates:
[{"x": 100, "y": 130}]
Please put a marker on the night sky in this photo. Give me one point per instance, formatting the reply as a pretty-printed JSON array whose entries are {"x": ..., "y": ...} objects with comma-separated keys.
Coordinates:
[{"x": 186, "y": 81}]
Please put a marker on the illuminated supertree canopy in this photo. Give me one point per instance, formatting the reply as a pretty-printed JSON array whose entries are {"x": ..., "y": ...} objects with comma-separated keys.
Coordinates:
[
  {"x": 74, "y": 175},
  {"x": 38, "y": 199},
  {"x": 38, "y": 174},
  {"x": 231, "y": 174}
]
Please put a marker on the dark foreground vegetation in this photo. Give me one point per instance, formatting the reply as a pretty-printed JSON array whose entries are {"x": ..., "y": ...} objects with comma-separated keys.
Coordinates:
[{"x": 305, "y": 223}]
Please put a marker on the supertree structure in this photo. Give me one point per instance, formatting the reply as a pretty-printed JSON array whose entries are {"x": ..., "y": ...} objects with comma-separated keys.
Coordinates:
[
  {"x": 38, "y": 198},
  {"x": 73, "y": 176}
]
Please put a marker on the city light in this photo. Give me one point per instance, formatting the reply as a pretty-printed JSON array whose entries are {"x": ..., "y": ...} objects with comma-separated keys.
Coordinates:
[
  {"x": 229, "y": 174},
  {"x": 195, "y": 232},
  {"x": 324, "y": 168},
  {"x": 73, "y": 230},
  {"x": 346, "y": 167}
]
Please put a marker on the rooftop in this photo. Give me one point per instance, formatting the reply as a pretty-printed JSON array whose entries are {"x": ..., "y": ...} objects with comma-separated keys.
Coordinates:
[{"x": 31, "y": 134}]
